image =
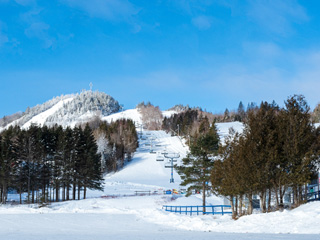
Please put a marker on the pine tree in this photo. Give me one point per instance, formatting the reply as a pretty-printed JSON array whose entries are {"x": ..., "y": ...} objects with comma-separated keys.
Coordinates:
[
  {"x": 92, "y": 177},
  {"x": 8, "y": 155},
  {"x": 299, "y": 138},
  {"x": 241, "y": 113},
  {"x": 196, "y": 167}
]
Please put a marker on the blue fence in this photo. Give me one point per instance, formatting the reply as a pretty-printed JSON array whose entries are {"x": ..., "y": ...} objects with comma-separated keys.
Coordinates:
[
  {"x": 211, "y": 209},
  {"x": 313, "y": 196}
]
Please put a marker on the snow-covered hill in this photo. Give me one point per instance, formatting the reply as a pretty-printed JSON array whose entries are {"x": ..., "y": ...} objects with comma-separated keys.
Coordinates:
[{"x": 68, "y": 110}]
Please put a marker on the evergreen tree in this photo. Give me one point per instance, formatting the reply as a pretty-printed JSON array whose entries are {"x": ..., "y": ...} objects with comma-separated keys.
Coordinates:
[
  {"x": 8, "y": 155},
  {"x": 299, "y": 139},
  {"x": 196, "y": 167},
  {"x": 92, "y": 177},
  {"x": 241, "y": 114}
]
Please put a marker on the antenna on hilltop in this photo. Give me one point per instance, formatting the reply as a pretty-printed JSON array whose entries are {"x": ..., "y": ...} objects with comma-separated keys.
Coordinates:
[{"x": 90, "y": 86}]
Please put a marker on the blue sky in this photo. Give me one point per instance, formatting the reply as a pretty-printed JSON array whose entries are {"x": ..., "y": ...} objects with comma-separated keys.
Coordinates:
[{"x": 207, "y": 53}]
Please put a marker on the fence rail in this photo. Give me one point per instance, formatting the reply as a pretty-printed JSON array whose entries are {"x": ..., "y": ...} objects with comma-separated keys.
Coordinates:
[
  {"x": 211, "y": 209},
  {"x": 313, "y": 196}
]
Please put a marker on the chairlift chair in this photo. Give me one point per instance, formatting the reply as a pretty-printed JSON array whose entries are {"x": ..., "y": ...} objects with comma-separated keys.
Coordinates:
[{"x": 160, "y": 158}]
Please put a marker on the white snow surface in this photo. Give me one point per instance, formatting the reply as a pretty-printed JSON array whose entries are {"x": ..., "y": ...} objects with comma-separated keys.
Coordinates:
[
  {"x": 132, "y": 114},
  {"x": 118, "y": 213},
  {"x": 41, "y": 118},
  {"x": 223, "y": 129}
]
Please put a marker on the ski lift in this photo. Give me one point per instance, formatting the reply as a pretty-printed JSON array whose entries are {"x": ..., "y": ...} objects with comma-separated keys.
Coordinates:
[
  {"x": 164, "y": 152},
  {"x": 160, "y": 158},
  {"x": 169, "y": 161}
]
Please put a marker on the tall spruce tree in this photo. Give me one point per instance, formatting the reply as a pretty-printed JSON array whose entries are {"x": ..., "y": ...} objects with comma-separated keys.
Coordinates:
[
  {"x": 299, "y": 138},
  {"x": 196, "y": 167},
  {"x": 92, "y": 177}
]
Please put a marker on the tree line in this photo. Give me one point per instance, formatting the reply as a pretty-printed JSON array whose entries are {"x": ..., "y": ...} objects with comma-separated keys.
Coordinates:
[
  {"x": 190, "y": 123},
  {"x": 117, "y": 141},
  {"x": 278, "y": 152},
  {"x": 54, "y": 164},
  {"x": 46, "y": 162}
]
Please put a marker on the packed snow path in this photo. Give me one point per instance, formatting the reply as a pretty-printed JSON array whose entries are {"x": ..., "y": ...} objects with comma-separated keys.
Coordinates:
[
  {"x": 109, "y": 226},
  {"x": 144, "y": 172}
]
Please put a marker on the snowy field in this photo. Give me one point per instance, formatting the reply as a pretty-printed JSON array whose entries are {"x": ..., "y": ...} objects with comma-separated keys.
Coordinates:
[{"x": 116, "y": 213}]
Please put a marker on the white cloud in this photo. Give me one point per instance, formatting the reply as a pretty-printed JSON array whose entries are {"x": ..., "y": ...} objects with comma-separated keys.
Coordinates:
[
  {"x": 115, "y": 10},
  {"x": 3, "y": 37},
  {"x": 264, "y": 50},
  {"x": 277, "y": 15},
  {"x": 36, "y": 28},
  {"x": 40, "y": 30},
  {"x": 202, "y": 22},
  {"x": 252, "y": 82},
  {"x": 26, "y": 2}
]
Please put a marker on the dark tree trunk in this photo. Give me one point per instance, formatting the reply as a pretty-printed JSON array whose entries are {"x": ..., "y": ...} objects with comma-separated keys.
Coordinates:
[
  {"x": 250, "y": 207},
  {"x": 74, "y": 189},
  {"x": 269, "y": 200},
  {"x": 79, "y": 190},
  {"x": 32, "y": 195},
  {"x": 68, "y": 191},
  {"x": 57, "y": 192},
  {"x": 85, "y": 192},
  {"x": 236, "y": 207},
  {"x": 64, "y": 192},
  {"x": 240, "y": 205}
]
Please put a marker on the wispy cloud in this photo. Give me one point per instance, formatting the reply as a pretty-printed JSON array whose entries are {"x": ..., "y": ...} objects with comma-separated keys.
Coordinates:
[
  {"x": 277, "y": 16},
  {"x": 3, "y": 37},
  {"x": 36, "y": 27},
  {"x": 40, "y": 30},
  {"x": 247, "y": 82},
  {"x": 26, "y": 2},
  {"x": 115, "y": 10},
  {"x": 202, "y": 22}
]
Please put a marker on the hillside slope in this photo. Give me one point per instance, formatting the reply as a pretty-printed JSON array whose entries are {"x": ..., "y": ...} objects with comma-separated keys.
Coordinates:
[{"x": 68, "y": 110}]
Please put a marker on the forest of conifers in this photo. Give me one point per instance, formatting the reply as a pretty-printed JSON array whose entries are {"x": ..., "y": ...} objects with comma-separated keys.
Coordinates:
[{"x": 54, "y": 164}]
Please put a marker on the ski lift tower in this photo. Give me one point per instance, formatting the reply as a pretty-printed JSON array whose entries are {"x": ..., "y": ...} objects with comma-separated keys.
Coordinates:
[
  {"x": 173, "y": 158},
  {"x": 140, "y": 126}
]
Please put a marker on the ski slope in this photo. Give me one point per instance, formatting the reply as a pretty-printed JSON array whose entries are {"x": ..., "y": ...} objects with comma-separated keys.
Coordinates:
[
  {"x": 144, "y": 172},
  {"x": 132, "y": 114},
  {"x": 41, "y": 118}
]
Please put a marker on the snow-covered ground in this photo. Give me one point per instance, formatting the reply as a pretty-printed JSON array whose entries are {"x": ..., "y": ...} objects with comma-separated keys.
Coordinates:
[
  {"x": 132, "y": 114},
  {"x": 42, "y": 117},
  {"x": 117, "y": 213}
]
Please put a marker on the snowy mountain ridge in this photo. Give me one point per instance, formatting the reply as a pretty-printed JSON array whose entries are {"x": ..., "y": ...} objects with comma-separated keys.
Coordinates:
[{"x": 68, "y": 110}]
